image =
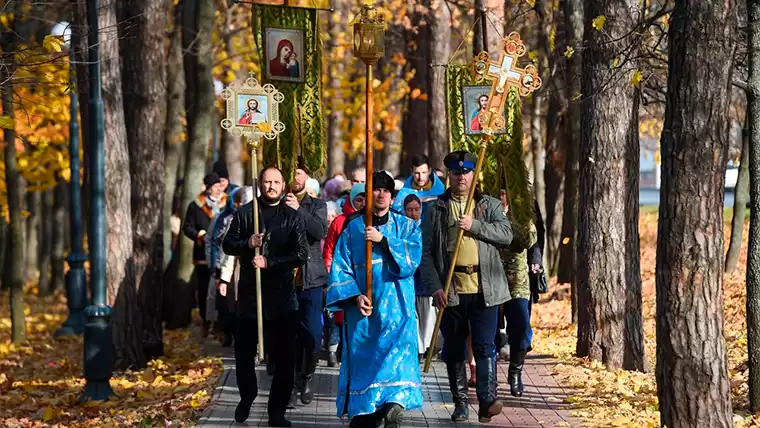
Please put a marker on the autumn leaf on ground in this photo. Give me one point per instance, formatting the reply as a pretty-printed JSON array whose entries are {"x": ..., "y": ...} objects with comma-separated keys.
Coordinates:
[{"x": 598, "y": 22}]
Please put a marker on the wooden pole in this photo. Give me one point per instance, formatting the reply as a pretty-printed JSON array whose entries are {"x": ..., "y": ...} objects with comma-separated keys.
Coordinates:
[
  {"x": 460, "y": 234},
  {"x": 254, "y": 146},
  {"x": 370, "y": 169},
  {"x": 484, "y": 26}
]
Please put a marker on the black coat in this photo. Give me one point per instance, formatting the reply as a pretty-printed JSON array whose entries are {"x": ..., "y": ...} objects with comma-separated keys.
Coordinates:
[
  {"x": 314, "y": 215},
  {"x": 197, "y": 218},
  {"x": 285, "y": 249}
]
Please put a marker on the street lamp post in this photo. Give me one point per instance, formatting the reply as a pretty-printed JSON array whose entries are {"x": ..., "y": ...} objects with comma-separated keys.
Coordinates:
[
  {"x": 98, "y": 336},
  {"x": 76, "y": 293}
]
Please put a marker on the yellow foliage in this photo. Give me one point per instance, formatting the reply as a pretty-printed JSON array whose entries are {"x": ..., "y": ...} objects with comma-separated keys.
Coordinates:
[
  {"x": 41, "y": 380},
  {"x": 598, "y": 22},
  {"x": 41, "y": 116}
]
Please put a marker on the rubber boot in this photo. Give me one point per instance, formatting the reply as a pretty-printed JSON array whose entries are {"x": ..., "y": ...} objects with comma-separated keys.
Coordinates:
[
  {"x": 516, "y": 361},
  {"x": 394, "y": 415},
  {"x": 457, "y": 373},
  {"x": 309, "y": 367},
  {"x": 485, "y": 386}
]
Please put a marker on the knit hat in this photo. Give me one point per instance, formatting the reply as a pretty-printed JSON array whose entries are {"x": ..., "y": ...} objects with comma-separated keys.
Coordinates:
[
  {"x": 211, "y": 179},
  {"x": 220, "y": 168}
]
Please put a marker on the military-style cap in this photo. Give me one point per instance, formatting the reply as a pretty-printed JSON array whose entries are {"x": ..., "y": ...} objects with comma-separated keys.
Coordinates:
[{"x": 460, "y": 161}]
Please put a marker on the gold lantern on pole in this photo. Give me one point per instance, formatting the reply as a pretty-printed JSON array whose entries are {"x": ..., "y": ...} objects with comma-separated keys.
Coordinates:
[{"x": 369, "y": 46}]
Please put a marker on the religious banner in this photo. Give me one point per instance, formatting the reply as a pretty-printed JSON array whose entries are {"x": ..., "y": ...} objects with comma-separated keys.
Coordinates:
[
  {"x": 290, "y": 50},
  {"x": 504, "y": 167}
]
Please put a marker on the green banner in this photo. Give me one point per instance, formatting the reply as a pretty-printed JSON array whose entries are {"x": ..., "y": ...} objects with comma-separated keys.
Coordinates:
[
  {"x": 504, "y": 166},
  {"x": 291, "y": 59}
]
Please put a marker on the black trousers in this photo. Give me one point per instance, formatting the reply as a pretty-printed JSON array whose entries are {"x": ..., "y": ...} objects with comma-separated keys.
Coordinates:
[
  {"x": 281, "y": 348},
  {"x": 202, "y": 277},
  {"x": 471, "y": 316}
]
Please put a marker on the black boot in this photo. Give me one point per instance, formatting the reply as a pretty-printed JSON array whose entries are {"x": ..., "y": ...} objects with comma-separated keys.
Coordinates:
[
  {"x": 243, "y": 410},
  {"x": 394, "y": 414},
  {"x": 309, "y": 367},
  {"x": 366, "y": 421},
  {"x": 516, "y": 361},
  {"x": 332, "y": 359},
  {"x": 485, "y": 386},
  {"x": 278, "y": 421},
  {"x": 458, "y": 385},
  {"x": 293, "y": 398}
]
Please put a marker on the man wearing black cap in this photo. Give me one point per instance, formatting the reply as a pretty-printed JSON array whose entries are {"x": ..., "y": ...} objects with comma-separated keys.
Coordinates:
[
  {"x": 479, "y": 285},
  {"x": 220, "y": 168},
  {"x": 197, "y": 219},
  {"x": 311, "y": 279},
  {"x": 379, "y": 375}
]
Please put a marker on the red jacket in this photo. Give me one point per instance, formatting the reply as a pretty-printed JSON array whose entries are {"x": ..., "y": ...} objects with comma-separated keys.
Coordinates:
[{"x": 328, "y": 250}]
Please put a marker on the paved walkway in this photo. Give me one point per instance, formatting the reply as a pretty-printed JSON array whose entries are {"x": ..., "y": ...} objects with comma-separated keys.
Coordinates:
[{"x": 539, "y": 407}]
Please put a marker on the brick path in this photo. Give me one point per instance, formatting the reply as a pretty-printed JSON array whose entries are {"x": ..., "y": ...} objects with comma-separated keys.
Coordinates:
[{"x": 539, "y": 407}]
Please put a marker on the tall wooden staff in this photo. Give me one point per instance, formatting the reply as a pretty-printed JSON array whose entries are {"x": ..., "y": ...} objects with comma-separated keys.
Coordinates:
[
  {"x": 253, "y": 146},
  {"x": 505, "y": 75},
  {"x": 253, "y": 111},
  {"x": 369, "y": 46}
]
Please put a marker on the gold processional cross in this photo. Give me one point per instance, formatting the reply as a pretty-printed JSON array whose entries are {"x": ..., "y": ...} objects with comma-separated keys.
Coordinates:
[{"x": 505, "y": 74}]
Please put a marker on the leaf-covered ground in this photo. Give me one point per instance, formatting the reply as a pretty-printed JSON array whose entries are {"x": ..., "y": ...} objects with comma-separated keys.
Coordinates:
[
  {"x": 41, "y": 381},
  {"x": 606, "y": 398}
]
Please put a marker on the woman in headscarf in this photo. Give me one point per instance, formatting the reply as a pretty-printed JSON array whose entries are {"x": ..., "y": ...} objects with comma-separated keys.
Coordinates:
[
  {"x": 220, "y": 305},
  {"x": 285, "y": 63},
  {"x": 197, "y": 219}
]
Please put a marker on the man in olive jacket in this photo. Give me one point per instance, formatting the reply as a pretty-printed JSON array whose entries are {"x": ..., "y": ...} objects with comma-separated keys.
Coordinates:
[
  {"x": 310, "y": 282},
  {"x": 479, "y": 285}
]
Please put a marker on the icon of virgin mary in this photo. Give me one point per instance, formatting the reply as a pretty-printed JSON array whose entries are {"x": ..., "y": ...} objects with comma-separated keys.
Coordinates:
[{"x": 285, "y": 63}]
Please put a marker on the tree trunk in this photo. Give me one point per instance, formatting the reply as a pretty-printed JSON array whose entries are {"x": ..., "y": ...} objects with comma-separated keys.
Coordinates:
[
  {"x": 15, "y": 255},
  {"x": 556, "y": 145},
  {"x": 79, "y": 42},
  {"x": 415, "y": 122},
  {"x": 693, "y": 386},
  {"x": 567, "y": 251},
  {"x": 57, "y": 254},
  {"x": 477, "y": 30},
  {"x": 173, "y": 144},
  {"x": 198, "y": 19},
  {"x": 387, "y": 68},
  {"x": 439, "y": 18},
  {"x": 741, "y": 193},
  {"x": 144, "y": 85},
  {"x": 336, "y": 67},
  {"x": 45, "y": 250},
  {"x": 122, "y": 294},
  {"x": 536, "y": 167},
  {"x": 232, "y": 153},
  {"x": 4, "y": 238},
  {"x": 33, "y": 235},
  {"x": 753, "y": 249},
  {"x": 610, "y": 326}
]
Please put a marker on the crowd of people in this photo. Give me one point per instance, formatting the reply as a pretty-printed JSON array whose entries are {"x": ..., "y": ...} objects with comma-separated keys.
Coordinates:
[{"x": 312, "y": 259}]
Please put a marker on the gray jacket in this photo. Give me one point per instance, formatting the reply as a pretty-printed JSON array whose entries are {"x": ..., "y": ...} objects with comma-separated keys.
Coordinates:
[
  {"x": 314, "y": 214},
  {"x": 491, "y": 229}
]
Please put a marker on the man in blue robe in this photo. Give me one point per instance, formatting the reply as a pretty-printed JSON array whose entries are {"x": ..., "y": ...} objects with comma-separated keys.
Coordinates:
[
  {"x": 424, "y": 182},
  {"x": 380, "y": 374}
]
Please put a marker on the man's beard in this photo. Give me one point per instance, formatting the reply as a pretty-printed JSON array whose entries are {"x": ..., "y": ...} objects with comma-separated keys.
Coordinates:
[
  {"x": 296, "y": 187},
  {"x": 270, "y": 200}
]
